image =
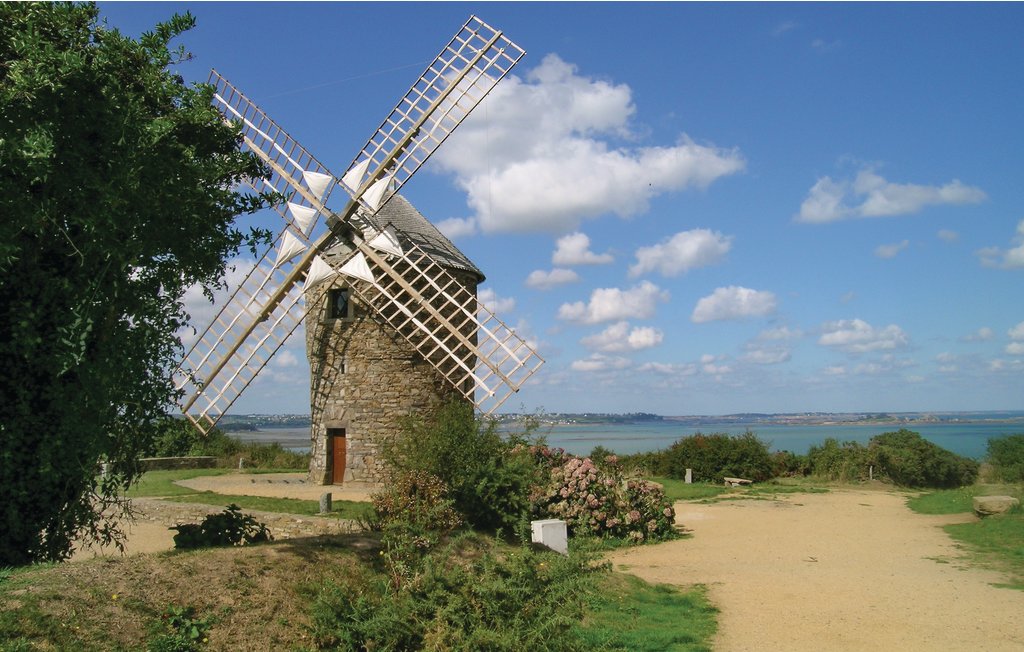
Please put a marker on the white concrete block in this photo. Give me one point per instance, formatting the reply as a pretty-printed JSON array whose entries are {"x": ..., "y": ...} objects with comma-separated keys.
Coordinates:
[{"x": 551, "y": 533}]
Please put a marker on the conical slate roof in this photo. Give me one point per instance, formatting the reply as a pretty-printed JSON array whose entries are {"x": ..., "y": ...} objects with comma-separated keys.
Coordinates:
[{"x": 412, "y": 226}]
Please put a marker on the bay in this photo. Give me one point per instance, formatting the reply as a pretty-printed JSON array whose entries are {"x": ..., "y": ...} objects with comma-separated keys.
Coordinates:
[{"x": 964, "y": 438}]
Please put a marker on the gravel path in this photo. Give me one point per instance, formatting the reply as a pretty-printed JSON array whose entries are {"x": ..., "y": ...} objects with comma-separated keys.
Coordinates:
[{"x": 845, "y": 570}]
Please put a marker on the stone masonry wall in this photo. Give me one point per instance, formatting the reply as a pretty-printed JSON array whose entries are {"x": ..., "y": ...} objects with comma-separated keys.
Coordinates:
[{"x": 366, "y": 379}]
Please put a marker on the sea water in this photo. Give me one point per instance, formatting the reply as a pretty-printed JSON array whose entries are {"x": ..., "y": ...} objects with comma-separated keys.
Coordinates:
[{"x": 964, "y": 438}]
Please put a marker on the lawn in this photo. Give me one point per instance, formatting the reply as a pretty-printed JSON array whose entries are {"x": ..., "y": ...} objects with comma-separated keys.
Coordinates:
[
  {"x": 161, "y": 484},
  {"x": 995, "y": 542}
]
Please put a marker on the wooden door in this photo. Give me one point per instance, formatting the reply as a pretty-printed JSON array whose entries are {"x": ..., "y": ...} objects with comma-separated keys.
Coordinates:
[{"x": 338, "y": 454}]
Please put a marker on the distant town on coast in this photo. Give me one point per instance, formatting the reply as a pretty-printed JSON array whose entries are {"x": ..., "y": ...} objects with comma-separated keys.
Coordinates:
[{"x": 255, "y": 422}]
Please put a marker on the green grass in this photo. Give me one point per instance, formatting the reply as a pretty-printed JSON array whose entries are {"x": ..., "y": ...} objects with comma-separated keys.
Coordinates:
[
  {"x": 161, "y": 483},
  {"x": 703, "y": 491},
  {"x": 679, "y": 490},
  {"x": 960, "y": 501},
  {"x": 339, "y": 508},
  {"x": 630, "y": 614},
  {"x": 995, "y": 542}
]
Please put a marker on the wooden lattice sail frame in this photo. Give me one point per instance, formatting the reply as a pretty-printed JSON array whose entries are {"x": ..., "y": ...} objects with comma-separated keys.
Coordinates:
[{"x": 468, "y": 345}]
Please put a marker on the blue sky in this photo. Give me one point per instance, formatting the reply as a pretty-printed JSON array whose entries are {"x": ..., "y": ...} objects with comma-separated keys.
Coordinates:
[{"x": 693, "y": 209}]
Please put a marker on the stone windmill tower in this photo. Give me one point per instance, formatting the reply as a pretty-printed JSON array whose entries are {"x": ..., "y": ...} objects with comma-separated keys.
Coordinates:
[{"x": 393, "y": 322}]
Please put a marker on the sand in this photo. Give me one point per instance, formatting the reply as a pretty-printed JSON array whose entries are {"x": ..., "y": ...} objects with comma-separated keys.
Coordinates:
[{"x": 845, "y": 570}]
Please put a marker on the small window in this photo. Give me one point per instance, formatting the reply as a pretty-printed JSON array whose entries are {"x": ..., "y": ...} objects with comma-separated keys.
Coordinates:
[{"x": 338, "y": 304}]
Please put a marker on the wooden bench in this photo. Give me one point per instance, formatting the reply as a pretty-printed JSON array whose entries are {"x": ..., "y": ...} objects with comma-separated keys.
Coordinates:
[{"x": 736, "y": 482}]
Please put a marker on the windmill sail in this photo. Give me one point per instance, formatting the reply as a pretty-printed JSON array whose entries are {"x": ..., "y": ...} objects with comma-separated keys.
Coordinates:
[{"x": 268, "y": 305}]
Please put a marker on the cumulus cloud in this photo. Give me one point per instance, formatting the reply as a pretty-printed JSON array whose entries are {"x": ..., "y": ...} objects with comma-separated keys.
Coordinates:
[
  {"x": 947, "y": 235},
  {"x": 1017, "y": 332},
  {"x": 1016, "y": 347},
  {"x": 1010, "y": 258},
  {"x": 682, "y": 252},
  {"x": 615, "y": 304},
  {"x": 858, "y": 336},
  {"x": 668, "y": 369},
  {"x": 709, "y": 364},
  {"x": 870, "y": 195},
  {"x": 599, "y": 362},
  {"x": 199, "y": 308},
  {"x": 780, "y": 333},
  {"x": 457, "y": 227},
  {"x": 489, "y": 298},
  {"x": 620, "y": 338},
  {"x": 891, "y": 250},
  {"x": 766, "y": 356},
  {"x": 574, "y": 249},
  {"x": 733, "y": 302},
  {"x": 542, "y": 154},
  {"x": 542, "y": 280}
]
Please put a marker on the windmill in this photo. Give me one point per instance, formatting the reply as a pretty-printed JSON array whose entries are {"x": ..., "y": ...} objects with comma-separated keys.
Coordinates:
[{"x": 412, "y": 292}]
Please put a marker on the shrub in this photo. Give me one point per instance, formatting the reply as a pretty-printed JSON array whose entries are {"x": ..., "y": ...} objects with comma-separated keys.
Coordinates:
[
  {"x": 488, "y": 483},
  {"x": 716, "y": 456},
  {"x": 228, "y": 528},
  {"x": 599, "y": 501},
  {"x": 471, "y": 595},
  {"x": 910, "y": 460},
  {"x": 1006, "y": 455},
  {"x": 786, "y": 464},
  {"x": 844, "y": 462}
]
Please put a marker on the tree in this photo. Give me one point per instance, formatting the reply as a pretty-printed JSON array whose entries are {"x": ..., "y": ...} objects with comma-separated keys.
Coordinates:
[{"x": 117, "y": 190}]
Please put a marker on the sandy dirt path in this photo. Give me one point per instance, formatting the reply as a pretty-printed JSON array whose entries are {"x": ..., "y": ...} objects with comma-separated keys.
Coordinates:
[{"x": 845, "y": 570}]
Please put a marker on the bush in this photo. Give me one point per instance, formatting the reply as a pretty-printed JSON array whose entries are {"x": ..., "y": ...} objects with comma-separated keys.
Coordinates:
[
  {"x": 488, "y": 482},
  {"x": 180, "y": 631},
  {"x": 1006, "y": 455},
  {"x": 910, "y": 460},
  {"x": 599, "y": 501},
  {"x": 471, "y": 595},
  {"x": 846, "y": 462},
  {"x": 786, "y": 464},
  {"x": 228, "y": 528},
  {"x": 716, "y": 456}
]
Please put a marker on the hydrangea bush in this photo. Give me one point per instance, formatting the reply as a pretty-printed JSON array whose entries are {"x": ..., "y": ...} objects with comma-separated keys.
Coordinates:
[{"x": 598, "y": 501}]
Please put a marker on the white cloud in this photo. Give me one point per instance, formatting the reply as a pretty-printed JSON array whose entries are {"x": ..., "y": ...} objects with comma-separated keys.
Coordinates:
[
  {"x": 837, "y": 370},
  {"x": 1017, "y": 332},
  {"x": 598, "y": 362},
  {"x": 614, "y": 304},
  {"x": 891, "y": 250},
  {"x": 858, "y": 336},
  {"x": 780, "y": 333},
  {"x": 733, "y": 302},
  {"x": 541, "y": 154},
  {"x": 542, "y": 280},
  {"x": 668, "y": 369},
  {"x": 682, "y": 252},
  {"x": 1012, "y": 258},
  {"x": 1015, "y": 348},
  {"x": 201, "y": 311},
  {"x": 947, "y": 235},
  {"x": 983, "y": 334},
  {"x": 285, "y": 358},
  {"x": 457, "y": 227},
  {"x": 870, "y": 195},
  {"x": 494, "y": 303},
  {"x": 766, "y": 356},
  {"x": 619, "y": 338},
  {"x": 574, "y": 249},
  {"x": 709, "y": 365}
]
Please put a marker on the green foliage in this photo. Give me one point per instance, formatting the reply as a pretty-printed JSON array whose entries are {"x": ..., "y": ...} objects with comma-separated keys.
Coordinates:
[
  {"x": 1006, "y": 455},
  {"x": 631, "y": 615},
  {"x": 471, "y": 595},
  {"x": 178, "y": 438},
  {"x": 902, "y": 457},
  {"x": 910, "y": 460},
  {"x": 228, "y": 528},
  {"x": 997, "y": 543},
  {"x": 180, "y": 631},
  {"x": 844, "y": 462},
  {"x": 487, "y": 482},
  {"x": 716, "y": 456},
  {"x": 116, "y": 195}
]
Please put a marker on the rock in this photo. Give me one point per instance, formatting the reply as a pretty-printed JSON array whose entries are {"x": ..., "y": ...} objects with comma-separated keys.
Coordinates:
[{"x": 991, "y": 505}]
